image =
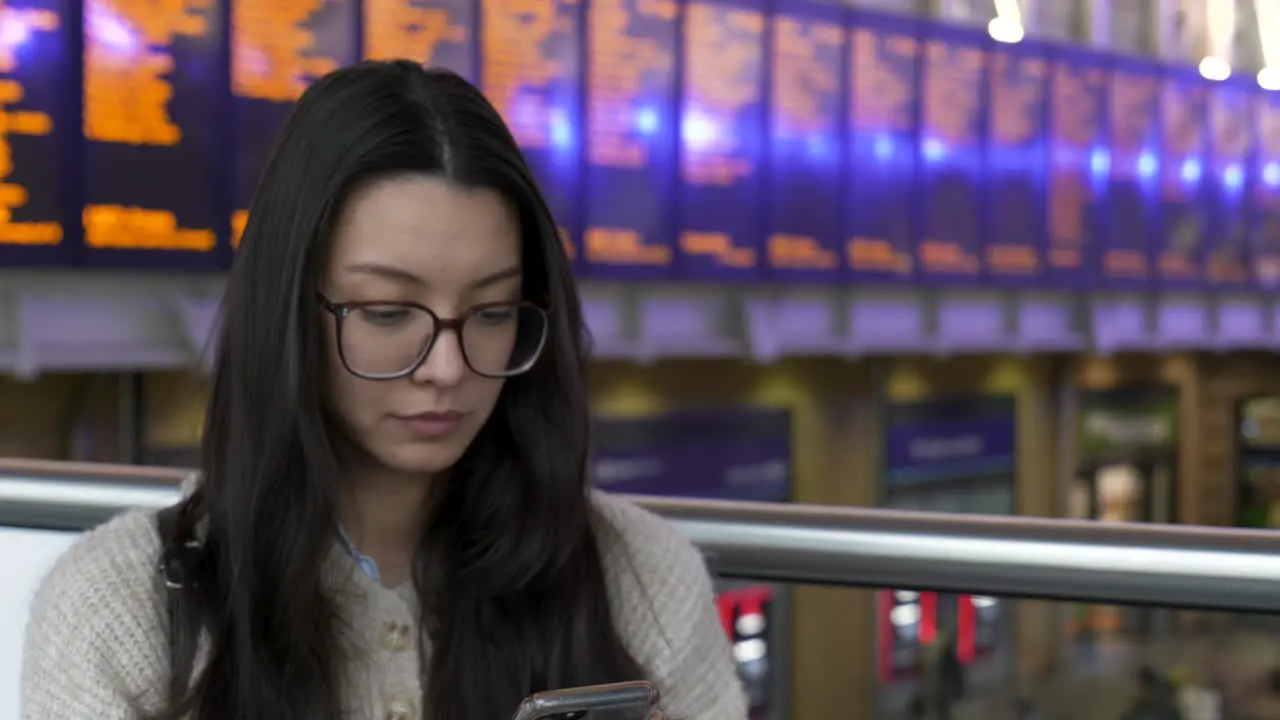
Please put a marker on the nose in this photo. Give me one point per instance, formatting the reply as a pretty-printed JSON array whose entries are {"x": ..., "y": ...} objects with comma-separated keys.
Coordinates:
[{"x": 444, "y": 365}]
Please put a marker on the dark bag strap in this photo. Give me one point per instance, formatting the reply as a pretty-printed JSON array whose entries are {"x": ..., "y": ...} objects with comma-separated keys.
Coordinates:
[{"x": 177, "y": 555}]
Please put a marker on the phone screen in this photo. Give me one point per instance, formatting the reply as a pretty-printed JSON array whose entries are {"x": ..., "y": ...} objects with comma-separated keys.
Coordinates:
[{"x": 616, "y": 701}]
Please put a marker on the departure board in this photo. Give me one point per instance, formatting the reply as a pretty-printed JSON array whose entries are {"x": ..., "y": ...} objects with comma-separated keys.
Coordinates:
[
  {"x": 806, "y": 113},
  {"x": 883, "y": 106},
  {"x": 1134, "y": 122},
  {"x": 153, "y": 99},
  {"x": 1231, "y": 143},
  {"x": 629, "y": 187},
  {"x": 278, "y": 48},
  {"x": 1179, "y": 258},
  {"x": 35, "y": 71},
  {"x": 1078, "y": 168},
  {"x": 530, "y": 72},
  {"x": 951, "y": 155},
  {"x": 1264, "y": 208},
  {"x": 722, "y": 117},
  {"x": 1015, "y": 163},
  {"x": 437, "y": 33}
]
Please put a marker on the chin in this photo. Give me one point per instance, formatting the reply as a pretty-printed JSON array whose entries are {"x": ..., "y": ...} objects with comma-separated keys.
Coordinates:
[{"x": 428, "y": 458}]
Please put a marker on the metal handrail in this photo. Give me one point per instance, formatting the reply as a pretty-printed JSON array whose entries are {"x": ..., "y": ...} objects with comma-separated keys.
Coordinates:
[{"x": 1175, "y": 566}]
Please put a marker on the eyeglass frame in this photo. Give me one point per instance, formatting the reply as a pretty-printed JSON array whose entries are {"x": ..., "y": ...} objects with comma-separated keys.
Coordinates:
[{"x": 340, "y": 311}]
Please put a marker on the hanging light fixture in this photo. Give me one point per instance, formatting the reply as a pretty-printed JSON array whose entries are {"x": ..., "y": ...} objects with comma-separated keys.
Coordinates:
[
  {"x": 1006, "y": 26},
  {"x": 1220, "y": 24},
  {"x": 1267, "y": 13}
]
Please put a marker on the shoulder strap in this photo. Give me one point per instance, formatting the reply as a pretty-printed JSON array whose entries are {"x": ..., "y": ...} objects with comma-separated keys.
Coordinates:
[{"x": 176, "y": 557}]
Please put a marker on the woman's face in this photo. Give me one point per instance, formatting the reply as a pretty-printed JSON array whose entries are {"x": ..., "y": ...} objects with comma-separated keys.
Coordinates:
[{"x": 422, "y": 240}]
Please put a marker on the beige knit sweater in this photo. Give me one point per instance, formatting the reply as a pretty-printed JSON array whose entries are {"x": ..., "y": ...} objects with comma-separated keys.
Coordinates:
[{"x": 96, "y": 645}]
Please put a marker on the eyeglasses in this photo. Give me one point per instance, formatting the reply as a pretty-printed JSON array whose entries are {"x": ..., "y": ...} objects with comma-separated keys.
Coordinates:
[{"x": 382, "y": 340}]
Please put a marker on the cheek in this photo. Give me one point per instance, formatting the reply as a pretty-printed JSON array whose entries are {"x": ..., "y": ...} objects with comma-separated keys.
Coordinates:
[
  {"x": 346, "y": 396},
  {"x": 349, "y": 397}
]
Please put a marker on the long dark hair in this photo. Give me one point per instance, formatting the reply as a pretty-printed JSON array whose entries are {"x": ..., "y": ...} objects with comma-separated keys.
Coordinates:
[{"x": 509, "y": 572}]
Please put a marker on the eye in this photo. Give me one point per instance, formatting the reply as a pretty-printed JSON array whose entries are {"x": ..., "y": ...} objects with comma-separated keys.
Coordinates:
[
  {"x": 384, "y": 315},
  {"x": 497, "y": 315}
]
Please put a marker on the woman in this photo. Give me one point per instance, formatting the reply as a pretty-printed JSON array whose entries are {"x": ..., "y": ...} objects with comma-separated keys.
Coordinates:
[{"x": 393, "y": 518}]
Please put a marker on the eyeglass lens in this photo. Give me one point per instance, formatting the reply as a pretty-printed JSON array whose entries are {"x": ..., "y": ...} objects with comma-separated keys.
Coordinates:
[{"x": 389, "y": 340}]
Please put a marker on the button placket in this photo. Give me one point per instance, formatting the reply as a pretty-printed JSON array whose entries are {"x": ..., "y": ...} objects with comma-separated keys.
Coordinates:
[
  {"x": 401, "y": 708},
  {"x": 395, "y": 637}
]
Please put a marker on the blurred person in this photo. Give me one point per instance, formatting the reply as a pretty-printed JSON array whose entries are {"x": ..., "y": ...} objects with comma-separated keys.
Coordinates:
[
  {"x": 1024, "y": 709},
  {"x": 943, "y": 674},
  {"x": 1195, "y": 701},
  {"x": 1157, "y": 699},
  {"x": 918, "y": 708},
  {"x": 1219, "y": 678},
  {"x": 392, "y": 517},
  {"x": 952, "y": 669}
]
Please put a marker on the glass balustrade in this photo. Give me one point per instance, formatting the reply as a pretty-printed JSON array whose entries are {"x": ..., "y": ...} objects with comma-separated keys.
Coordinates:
[{"x": 947, "y": 639}]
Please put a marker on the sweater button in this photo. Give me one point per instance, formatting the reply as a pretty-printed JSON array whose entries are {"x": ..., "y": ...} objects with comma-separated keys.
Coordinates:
[
  {"x": 401, "y": 709},
  {"x": 395, "y": 637}
]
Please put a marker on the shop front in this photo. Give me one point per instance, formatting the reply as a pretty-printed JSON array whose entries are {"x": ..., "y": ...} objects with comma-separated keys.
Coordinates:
[
  {"x": 953, "y": 455},
  {"x": 1258, "y": 460},
  {"x": 1127, "y": 472}
]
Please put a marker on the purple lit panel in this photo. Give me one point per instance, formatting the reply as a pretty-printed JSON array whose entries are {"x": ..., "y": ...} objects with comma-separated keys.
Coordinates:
[
  {"x": 722, "y": 133},
  {"x": 41, "y": 227}
]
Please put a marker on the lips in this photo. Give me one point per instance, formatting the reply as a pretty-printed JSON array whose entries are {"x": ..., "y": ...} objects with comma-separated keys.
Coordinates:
[
  {"x": 432, "y": 425},
  {"x": 445, "y": 416}
]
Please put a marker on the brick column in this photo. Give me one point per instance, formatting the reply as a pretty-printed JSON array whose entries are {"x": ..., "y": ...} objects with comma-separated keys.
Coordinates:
[
  {"x": 1039, "y": 445},
  {"x": 1228, "y": 379}
]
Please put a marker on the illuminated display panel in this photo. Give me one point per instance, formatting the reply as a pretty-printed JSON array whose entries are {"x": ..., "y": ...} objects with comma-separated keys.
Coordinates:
[
  {"x": 1264, "y": 207},
  {"x": 437, "y": 33},
  {"x": 153, "y": 101},
  {"x": 1134, "y": 124},
  {"x": 951, "y": 155},
  {"x": 1078, "y": 169},
  {"x": 722, "y": 141},
  {"x": 906, "y": 621},
  {"x": 1232, "y": 134},
  {"x": 879, "y": 219},
  {"x": 1179, "y": 257},
  {"x": 278, "y": 48},
  {"x": 630, "y": 170},
  {"x": 751, "y": 622},
  {"x": 1016, "y": 154},
  {"x": 34, "y": 76},
  {"x": 529, "y": 71},
  {"x": 805, "y": 121}
]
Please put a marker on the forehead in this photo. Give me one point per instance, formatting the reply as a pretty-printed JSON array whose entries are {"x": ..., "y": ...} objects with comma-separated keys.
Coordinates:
[{"x": 427, "y": 227}]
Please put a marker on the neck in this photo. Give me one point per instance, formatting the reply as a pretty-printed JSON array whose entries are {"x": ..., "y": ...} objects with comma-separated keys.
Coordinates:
[{"x": 383, "y": 515}]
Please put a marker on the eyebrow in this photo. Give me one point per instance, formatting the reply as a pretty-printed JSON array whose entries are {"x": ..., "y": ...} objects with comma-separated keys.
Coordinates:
[
  {"x": 399, "y": 275},
  {"x": 501, "y": 276},
  {"x": 387, "y": 272}
]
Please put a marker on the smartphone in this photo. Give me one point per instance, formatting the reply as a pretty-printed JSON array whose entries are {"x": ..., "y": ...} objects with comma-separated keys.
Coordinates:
[{"x": 616, "y": 701}]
